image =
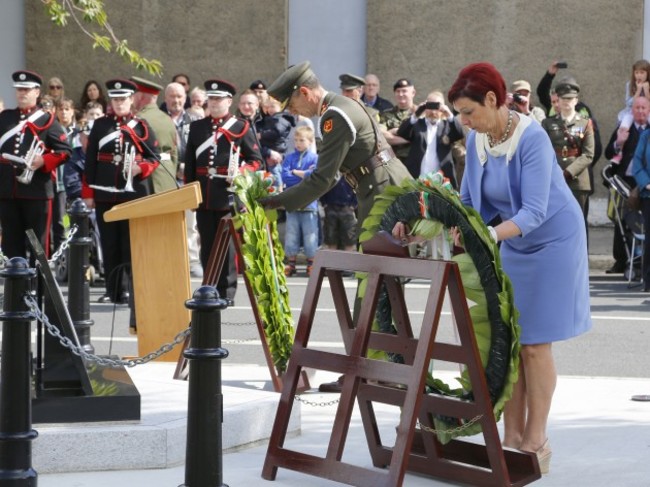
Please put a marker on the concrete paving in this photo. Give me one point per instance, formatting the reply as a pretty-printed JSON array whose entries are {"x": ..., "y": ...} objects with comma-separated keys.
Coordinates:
[{"x": 599, "y": 436}]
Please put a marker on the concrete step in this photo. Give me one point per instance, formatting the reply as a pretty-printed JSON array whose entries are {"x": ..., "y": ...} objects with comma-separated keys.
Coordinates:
[{"x": 158, "y": 440}]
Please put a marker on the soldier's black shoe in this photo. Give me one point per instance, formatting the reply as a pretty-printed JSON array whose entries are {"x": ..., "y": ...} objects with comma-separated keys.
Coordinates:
[
  {"x": 124, "y": 298},
  {"x": 230, "y": 302},
  {"x": 106, "y": 298},
  {"x": 336, "y": 386},
  {"x": 616, "y": 269}
]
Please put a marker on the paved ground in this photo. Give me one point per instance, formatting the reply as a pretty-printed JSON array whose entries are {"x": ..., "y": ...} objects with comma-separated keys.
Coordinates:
[{"x": 599, "y": 436}]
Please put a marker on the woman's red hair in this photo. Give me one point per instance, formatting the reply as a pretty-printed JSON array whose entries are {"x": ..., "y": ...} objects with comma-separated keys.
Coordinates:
[{"x": 475, "y": 80}]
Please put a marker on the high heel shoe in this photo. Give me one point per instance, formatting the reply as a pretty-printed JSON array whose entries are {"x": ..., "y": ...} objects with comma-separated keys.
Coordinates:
[{"x": 544, "y": 457}]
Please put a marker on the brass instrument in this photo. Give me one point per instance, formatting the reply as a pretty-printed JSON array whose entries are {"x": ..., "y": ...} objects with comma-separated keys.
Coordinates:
[
  {"x": 25, "y": 163},
  {"x": 127, "y": 170}
]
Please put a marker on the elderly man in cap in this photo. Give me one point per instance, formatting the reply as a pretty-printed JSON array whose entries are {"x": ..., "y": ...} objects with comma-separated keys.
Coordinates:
[
  {"x": 146, "y": 107},
  {"x": 352, "y": 87},
  {"x": 352, "y": 143},
  {"x": 219, "y": 146},
  {"x": 572, "y": 136},
  {"x": 32, "y": 145},
  {"x": 121, "y": 155},
  {"x": 519, "y": 99}
]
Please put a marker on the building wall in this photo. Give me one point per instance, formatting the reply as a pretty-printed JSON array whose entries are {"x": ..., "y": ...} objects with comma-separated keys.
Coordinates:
[{"x": 426, "y": 40}]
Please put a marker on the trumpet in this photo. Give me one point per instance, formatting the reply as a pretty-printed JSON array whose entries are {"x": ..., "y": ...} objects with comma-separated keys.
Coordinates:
[
  {"x": 127, "y": 170},
  {"x": 25, "y": 163}
]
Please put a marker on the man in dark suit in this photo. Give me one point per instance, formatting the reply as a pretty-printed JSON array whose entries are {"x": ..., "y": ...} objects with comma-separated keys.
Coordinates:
[
  {"x": 621, "y": 147},
  {"x": 432, "y": 130}
]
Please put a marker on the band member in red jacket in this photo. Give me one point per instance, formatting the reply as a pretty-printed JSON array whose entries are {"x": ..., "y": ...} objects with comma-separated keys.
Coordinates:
[
  {"x": 32, "y": 145},
  {"x": 218, "y": 146},
  {"x": 122, "y": 153}
]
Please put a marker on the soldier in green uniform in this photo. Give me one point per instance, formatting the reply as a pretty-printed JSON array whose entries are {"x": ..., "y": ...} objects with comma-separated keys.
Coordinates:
[
  {"x": 572, "y": 136},
  {"x": 352, "y": 87},
  {"x": 390, "y": 120},
  {"x": 352, "y": 144},
  {"x": 144, "y": 103}
]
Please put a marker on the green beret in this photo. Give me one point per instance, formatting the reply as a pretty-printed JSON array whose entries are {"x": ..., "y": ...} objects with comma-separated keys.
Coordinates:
[
  {"x": 350, "y": 81},
  {"x": 289, "y": 81},
  {"x": 146, "y": 86}
]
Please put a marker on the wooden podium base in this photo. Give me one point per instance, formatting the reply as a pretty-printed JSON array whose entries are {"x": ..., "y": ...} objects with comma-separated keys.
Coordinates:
[{"x": 457, "y": 461}]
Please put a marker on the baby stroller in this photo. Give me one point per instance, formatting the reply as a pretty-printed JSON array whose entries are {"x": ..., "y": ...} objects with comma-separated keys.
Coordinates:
[
  {"x": 629, "y": 221},
  {"x": 96, "y": 269}
]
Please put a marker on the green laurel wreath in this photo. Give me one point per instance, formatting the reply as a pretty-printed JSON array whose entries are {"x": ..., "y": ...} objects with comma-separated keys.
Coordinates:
[
  {"x": 264, "y": 261},
  {"x": 430, "y": 206}
]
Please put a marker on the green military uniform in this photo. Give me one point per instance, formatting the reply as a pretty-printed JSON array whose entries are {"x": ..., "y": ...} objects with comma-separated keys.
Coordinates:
[
  {"x": 392, "y": 119},
  {"x": 350, "y": 142},
  {"x": 351, "y": 82},
  {"x": 164, "y": 177}
]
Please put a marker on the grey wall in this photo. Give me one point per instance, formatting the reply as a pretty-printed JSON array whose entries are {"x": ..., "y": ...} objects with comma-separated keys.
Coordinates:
[{"x": 12, "y": 47}]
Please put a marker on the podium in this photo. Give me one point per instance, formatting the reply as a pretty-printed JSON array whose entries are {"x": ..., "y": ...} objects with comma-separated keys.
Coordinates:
[{"x": 160, "y": 266}]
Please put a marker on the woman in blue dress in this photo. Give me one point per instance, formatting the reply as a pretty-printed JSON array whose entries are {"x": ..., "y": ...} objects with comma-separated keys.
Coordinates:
[{"x": 511, "y": 172}]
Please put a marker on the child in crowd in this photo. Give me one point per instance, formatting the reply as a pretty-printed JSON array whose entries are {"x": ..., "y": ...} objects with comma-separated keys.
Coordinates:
[
  {"x": 639, "y": 85},
  {"x": 302, "y": 223},
  {"x": 273, "y": 131}
]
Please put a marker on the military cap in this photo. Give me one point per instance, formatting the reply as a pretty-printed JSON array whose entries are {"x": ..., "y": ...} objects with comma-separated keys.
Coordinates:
[
  {"x": 350, "y": 81},
  {"x": 26, "y": 79},
  {"x": 117, "y": 88},
  {"x": 520, "y": 85},
  {"x": 567, "y": 87},
  {"x": 402, "y": 83},
  {"x": 146, "y": 86},
  {"x": 289, "y": 81},
  {"x": 219, "y": 88},
  {"x": 258, "y": 84}
]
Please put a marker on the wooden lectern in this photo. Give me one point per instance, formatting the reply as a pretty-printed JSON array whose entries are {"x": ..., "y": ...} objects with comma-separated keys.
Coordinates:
[{"x": 160, "y": 267}]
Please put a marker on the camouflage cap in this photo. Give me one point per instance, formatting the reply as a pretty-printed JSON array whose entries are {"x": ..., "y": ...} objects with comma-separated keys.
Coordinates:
[
  {"x": 350, "y": 81},
  {"x": 289, "y": 81}
]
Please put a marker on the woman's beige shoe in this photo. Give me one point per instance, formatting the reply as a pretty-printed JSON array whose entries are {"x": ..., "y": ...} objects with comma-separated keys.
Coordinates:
[{"x": 544, "y": 457}]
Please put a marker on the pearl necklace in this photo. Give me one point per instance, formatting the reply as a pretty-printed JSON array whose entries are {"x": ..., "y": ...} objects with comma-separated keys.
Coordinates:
[{"x": 506, "y": 134}]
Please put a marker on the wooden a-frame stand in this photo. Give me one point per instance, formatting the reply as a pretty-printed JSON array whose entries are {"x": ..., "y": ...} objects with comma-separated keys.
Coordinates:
[
  {"x": 457, "y": 461},
  {"x": 225, "y": 232}
]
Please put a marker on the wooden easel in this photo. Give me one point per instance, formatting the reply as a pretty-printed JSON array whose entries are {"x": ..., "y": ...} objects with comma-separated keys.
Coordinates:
[
  {"x": 458, "y": 461},
  {"x": 225, "y": 232}
]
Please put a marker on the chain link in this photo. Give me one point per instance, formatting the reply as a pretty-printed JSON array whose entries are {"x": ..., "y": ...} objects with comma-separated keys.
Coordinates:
[
  {"x": 235, "y": 341},
  {"x": 322, "y": 404},
  {"x": 65, "y": 244},
  {"x": 450, "y": 431},
  {"x": 245, "y": 323},
  {"x": 67, "y": 343}
]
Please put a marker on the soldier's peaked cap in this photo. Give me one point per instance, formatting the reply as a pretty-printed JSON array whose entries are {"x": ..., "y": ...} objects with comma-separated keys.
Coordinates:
[
  {"x": 146, "y": 86},
  {"x": 350, "y": 81},
  {"x": 26, "y": 79},
  {"x": 289, "y": 81},
  {"x": 219, "y": 88},
  {"x": 117, "y": 88},
  {"x": 402, "y": 83}
]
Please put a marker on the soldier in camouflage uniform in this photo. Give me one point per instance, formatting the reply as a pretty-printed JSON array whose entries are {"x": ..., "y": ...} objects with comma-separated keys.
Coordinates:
[
  {"x": 390, "y": 120},
  {"x": 572, "y": 136}
]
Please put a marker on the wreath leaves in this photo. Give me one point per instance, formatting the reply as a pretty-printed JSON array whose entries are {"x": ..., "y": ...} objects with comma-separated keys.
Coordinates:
[
  {"x": 429, "y": 205},
  {"x": 264, "y": 258}
]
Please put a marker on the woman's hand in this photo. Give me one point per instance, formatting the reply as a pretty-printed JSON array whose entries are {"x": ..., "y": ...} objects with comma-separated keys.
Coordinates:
[
  {"x": 400, "y": 232},
  {"x": 456, "y": 236}
]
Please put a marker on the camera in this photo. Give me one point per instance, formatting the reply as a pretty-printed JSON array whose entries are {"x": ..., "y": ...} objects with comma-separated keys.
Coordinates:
[
  {"x": 518, "y": 98},
  {"x": 561, "y": 65},
  {"x": 432, "y": 105}
]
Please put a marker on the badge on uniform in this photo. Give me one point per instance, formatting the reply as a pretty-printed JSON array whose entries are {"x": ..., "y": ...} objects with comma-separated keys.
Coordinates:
[{"x": 328, "y": 125}]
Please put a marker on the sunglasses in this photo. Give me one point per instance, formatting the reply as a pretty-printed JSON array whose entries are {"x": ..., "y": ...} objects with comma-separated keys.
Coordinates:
[{"x": 54, "y": 87}]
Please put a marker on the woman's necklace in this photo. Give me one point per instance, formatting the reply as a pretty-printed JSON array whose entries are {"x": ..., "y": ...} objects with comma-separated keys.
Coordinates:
[{"x": 506, "y": 134}]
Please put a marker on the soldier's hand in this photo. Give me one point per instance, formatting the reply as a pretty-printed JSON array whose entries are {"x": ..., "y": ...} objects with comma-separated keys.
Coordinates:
[
  {"x": 90, "y": 203},
  {"x": 568, "y": 177},
  {"x": 38, "y": 162}
]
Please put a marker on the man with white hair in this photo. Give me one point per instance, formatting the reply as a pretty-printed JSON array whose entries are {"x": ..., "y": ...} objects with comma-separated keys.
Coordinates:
[{"x": 371, "y": 96}]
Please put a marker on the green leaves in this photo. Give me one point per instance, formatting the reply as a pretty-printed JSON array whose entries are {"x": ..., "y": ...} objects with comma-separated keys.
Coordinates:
[
  {"x": 91, "y": 13},
  {"x": 264, "y": 259}
]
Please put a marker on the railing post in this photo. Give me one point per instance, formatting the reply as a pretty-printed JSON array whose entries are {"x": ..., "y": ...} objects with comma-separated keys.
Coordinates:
[
  {"x": 78, "y": 281},
  {"x": 203, "y": 454},
  {"x": 16, "y": 433}
]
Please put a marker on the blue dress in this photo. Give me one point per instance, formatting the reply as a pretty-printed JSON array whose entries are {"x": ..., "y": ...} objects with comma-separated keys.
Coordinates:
[{"x": 548, "y": 264}]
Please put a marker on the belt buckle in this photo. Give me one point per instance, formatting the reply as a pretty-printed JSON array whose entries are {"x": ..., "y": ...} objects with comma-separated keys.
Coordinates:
[
  {"x": 351, "y": 180},
  {"x": 384, "y": 157}
]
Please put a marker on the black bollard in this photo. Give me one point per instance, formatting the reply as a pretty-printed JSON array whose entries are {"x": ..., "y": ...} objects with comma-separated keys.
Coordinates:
[
  {"x": 203, "y": 455},
  {"x": 78, "y": 280},
  {"x": 16, "y": 433}
]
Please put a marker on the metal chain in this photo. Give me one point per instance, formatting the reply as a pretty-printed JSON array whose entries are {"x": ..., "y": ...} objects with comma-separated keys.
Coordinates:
[
  {"x": 235, "y": 341},
  {"x": 451, "y": 431},
  {"x": 65, "y": 244},
  {"x": 245, "y": 323},
  {"x": 322, "y": 404},
  {"x": 67, "y": 343}
]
